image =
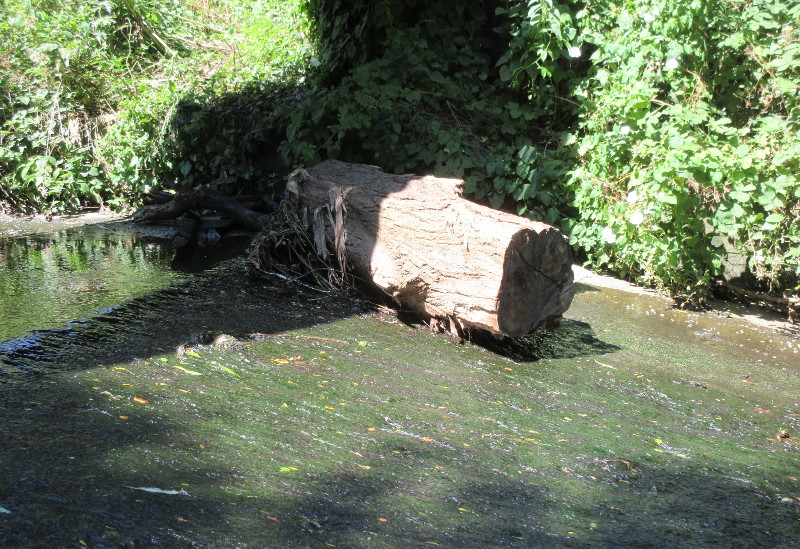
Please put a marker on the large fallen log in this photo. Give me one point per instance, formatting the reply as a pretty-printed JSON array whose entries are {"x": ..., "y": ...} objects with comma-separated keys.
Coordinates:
[{"x": 436, "y": 253}]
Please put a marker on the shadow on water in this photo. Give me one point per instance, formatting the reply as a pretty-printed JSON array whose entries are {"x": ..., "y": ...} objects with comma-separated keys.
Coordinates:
[{"x": 569, "y": 339}]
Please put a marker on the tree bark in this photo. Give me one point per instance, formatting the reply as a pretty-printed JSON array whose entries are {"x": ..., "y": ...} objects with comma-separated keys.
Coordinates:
[{"x": 436, "y": 253}]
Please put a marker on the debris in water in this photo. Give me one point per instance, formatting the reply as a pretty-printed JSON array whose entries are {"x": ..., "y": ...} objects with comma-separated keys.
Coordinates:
[
  {"x": 159, "y": 491},
  {"x": 4, "y": 510}
]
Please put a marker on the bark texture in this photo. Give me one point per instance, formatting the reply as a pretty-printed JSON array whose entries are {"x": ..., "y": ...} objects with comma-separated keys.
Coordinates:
[{"x": 436, "y": 253}]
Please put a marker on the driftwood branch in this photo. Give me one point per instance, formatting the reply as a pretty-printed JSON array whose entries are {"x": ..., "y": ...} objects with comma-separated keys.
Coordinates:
[
  {"x": 789, "y": 303},
  {"x": 209, "y": 199}
]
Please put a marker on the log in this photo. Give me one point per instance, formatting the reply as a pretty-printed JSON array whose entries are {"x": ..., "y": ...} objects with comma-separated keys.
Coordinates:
[{"x": 435, "y": 252}]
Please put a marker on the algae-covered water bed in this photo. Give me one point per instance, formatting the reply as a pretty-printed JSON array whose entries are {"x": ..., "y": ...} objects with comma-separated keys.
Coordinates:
[{"x": 631, "y": 425}]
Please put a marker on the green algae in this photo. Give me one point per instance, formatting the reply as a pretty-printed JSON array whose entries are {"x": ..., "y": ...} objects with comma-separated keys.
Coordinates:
[{"x": 643, "y": 426}]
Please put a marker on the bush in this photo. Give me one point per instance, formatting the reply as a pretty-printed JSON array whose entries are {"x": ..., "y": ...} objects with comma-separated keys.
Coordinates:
[
  {"x": 89, "y": 88},
  {"x": 687, "y": 149},
  {"x": 661, "y": 136}
]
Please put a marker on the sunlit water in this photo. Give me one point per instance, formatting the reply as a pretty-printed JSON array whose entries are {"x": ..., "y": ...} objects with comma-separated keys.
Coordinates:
[{"x": 47, "y": 281}]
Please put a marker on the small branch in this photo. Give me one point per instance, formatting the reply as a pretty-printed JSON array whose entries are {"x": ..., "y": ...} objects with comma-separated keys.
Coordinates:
[{"x": 789, "y": 302}]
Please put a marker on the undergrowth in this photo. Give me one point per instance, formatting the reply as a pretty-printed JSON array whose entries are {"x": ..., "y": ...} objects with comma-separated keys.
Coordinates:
[{"x": 661, "y": 137}]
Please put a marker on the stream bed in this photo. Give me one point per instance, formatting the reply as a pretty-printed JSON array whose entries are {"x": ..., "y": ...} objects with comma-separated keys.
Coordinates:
[{"x": 326, "y": 420}]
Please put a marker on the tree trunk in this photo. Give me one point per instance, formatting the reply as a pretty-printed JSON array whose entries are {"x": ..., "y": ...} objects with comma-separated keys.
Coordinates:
[{"x": 436, "y": 253}]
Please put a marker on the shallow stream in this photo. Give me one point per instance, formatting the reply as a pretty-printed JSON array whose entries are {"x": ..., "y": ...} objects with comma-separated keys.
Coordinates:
[{"x": 331, "y": 422}]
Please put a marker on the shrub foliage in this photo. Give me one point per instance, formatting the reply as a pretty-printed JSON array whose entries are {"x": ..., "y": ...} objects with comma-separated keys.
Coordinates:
[{"x": 661, "y": 136}]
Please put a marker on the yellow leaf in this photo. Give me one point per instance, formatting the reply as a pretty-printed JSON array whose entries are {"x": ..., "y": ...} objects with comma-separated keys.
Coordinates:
[
  {"x": 192, "y": 353},
  {"x": 137, "y": 399},
  {"x": 658, "y": 441},
  {"x": 190, "y": 372}
]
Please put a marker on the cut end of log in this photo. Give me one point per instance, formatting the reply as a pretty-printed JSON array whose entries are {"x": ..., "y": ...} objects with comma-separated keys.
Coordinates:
[{"x": 537, "y": 281}]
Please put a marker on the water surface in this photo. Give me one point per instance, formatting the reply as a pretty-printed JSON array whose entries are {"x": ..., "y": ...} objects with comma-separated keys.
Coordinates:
[{"x": 336, "y": 424}]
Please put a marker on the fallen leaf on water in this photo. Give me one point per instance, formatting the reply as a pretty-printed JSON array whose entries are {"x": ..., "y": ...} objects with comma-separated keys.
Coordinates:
[
  {"x": 118, "y": 368},
  {"x": 141, "y": 400},
  {"x": 228, "y": 370},
  {"x": 190, "y": 372},
  {"x": 159, "y": 490},
  {"x": 192, "y": 353},
  {"x": 123, "y": 417},
  {"x": 288, "y": 469},
  {"x": 658, "y": 441},
  {"x": 605, "y": 365},
  {"x": 381, "y": 519}
]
